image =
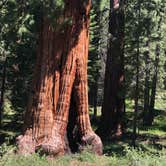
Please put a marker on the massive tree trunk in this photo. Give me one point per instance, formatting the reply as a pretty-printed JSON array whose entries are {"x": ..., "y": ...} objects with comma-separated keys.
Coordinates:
[
  {"x": 60, "y": 71},
  {"x": 113, "y": 105}
]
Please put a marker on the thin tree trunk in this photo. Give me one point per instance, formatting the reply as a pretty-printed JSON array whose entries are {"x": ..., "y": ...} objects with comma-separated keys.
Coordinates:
[
  {"x": 154, "y": 84},
  {"x": 2, "y": 91},
  {"x": 61, "y": 67},
  {"x": 147, "y": 84},
  {"x": 113, "y": 105},
  {"x": 137, "y": 80},
  {"x": 154, "y": 79},
  {"x": 150, "y": 113},
  {"x": 95, "y": 99}
]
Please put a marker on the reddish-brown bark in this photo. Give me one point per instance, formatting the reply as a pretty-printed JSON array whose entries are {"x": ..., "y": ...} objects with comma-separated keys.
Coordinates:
[
  {"x": 113, "y": 105},
  {"x": 61, "y": 67}
]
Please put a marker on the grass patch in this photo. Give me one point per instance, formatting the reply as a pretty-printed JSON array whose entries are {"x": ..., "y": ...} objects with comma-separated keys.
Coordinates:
[
  {"x": 130, "y": 157},
  {"x": 151, "y": 144}
]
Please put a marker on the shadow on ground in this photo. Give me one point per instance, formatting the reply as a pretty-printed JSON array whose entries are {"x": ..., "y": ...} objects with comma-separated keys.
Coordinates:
[{"x": 146, "y": 141}]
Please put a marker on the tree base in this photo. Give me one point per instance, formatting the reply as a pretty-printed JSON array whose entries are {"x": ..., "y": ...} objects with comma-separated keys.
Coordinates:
[
  {"x": 54, "y": 146},
  {"x": 93, "y": 141},
  {"x": 26, "y": 144},
  {"x": 57, "y": 145}
]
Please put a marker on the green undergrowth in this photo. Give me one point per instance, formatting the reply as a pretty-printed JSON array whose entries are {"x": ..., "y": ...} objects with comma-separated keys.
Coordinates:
[
  {"x": 130, "y": 157},
  {"x": 150, "y": 144}
]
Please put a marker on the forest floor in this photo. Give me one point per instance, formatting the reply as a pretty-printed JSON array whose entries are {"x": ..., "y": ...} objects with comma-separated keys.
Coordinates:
[{"x": 150, "y": 151}]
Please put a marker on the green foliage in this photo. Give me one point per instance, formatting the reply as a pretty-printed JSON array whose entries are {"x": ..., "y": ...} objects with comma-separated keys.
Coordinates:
[
  {"x": 130, "y": 157},
  {"x": 97, "y": 48},
  {"x": 158, "y": 129},
  {"x": 150, "y": 147},
  {"x": 5, "y": 150},
  {"x": 93, "y": 59},
  {"x": 138, "y": 157},
  {"x": 151, "y": 29},
  {"x": 15, "y": 160}
]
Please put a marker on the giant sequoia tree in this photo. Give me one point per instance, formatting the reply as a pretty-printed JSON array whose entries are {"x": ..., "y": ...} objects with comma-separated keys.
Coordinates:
[
  {"x": 113, "y": 105},
  {"x": 60, "y": 72}
]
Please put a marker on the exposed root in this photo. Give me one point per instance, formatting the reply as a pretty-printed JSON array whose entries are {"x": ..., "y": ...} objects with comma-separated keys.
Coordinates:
[
  {"x": 54, "y": 146},
  {"x": 25, "y": 144},
  {"x": 94, "y": 141}
]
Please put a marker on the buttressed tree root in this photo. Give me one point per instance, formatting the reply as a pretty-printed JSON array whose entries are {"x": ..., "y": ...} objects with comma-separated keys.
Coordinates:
[{"x": 61, "y": 70}]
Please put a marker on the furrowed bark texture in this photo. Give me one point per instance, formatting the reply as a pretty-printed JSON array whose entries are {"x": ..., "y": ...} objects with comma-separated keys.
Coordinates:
[
  {"x": 60, "y": 71},
  {"x": 113, "y": 104}
]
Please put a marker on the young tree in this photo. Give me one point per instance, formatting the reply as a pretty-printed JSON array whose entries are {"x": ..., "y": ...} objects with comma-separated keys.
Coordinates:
[
  {"x": 149, "y": 100},
  {"x": 94, "y": 60},
  {"x": 61, "y": 71}
]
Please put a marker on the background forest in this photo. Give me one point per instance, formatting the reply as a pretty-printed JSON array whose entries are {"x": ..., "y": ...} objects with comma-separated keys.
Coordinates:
[{"x": 126, "y": 79}]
